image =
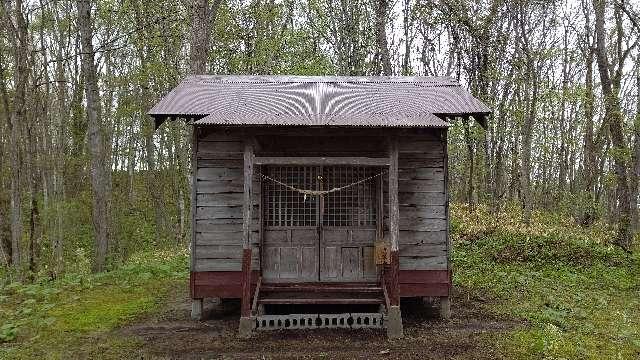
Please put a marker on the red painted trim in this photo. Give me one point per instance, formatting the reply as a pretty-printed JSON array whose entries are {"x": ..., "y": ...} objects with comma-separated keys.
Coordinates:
[
  {"x": 425, "y": 276},
  {"x": 393, "y": 288},
  {"x": 245, "y": 309},
  {"x": 421, "y": 290}
]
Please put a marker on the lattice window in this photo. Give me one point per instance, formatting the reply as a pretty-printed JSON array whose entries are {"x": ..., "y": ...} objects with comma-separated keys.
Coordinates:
[
  {"x": 285, "y": 207},
  {"x": 355, "y": 205}
]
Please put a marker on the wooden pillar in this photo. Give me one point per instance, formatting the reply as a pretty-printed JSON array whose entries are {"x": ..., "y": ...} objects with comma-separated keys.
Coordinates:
[
  {"x": 246, "y": 324},
  {"x": 394, "y": 320}
]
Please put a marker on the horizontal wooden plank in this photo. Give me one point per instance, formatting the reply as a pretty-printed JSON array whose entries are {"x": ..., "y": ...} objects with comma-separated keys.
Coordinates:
[
  {"x": 420, "y": 146},
  {"x": 420, "y": 199},
  {"x": 222, "y": 252},
  {"x": 423, "y": 250},
  {"x": 409, "y": 237},
  {"x": 223, "y": 264},
  {"x": 423, "y": 212},
  {"x": 421, "y": 186},
  {"x": 224, "y": 237},
  {"x": 218, "y": 156},
  {"x": 423, "y": 263},
  {"x": 220, "y": 163},
  {"x": 423, "y": 224},
  {"x": 219, "y": 212},
  {"x": 365, "y": 161},
  {"x": 219, "y": 134},
  {"x": 222, "y": 225},
  {"x": 404, "y": 164},
  {"x": 422, "y": 173},
  {"x": 219, "y": 146},
  {"x": 220, "y": 187},
  {"x": 230, "y": 199},
  {"x": 216, "y": 174}
]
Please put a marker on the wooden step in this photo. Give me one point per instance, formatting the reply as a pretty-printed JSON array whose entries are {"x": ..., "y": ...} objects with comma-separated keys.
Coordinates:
[
  {"x": 321, "y": 288},
  {"x": 298, "y": 297},
  {"x": 319, "y": 301}
]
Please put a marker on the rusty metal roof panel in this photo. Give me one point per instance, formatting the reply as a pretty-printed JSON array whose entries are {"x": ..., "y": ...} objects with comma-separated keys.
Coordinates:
[{"x": 338, "y": 101}]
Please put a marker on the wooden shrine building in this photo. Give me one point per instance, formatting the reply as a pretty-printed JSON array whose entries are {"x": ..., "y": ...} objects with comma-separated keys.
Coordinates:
[{"x": 319, "y": 190}]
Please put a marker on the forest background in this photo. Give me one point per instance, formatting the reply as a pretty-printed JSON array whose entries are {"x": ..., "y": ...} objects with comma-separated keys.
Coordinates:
[{"x": 86, "y": 181}]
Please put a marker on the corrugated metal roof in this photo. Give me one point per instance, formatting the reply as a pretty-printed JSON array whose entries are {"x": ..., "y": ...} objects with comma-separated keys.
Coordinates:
[{"x": 318, "y": 100}]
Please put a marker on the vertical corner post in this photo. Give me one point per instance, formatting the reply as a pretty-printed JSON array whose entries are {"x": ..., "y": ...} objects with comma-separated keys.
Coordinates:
[
  {"x": 394, "y": 319},
  {"x": 247, "y": 207},
  {"x": 194, "y": 190}
]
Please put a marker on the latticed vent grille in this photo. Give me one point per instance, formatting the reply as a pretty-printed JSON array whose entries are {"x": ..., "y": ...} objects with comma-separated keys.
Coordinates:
[
  {"x": 353, "y": 206},
  {"x": 285, "y": 207}
]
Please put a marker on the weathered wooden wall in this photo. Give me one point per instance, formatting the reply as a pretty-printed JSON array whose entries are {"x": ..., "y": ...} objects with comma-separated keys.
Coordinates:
[
  {"x": 219, "y": 186},
  {"x": 219, "y": 196}
]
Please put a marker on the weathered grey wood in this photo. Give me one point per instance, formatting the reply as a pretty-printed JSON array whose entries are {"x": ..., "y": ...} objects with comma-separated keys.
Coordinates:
[
  {"x": 422, "y": 237},
  {"x": 219, "y": 173},
  {"x": 423, "y": 224},
  {"x": 423, "y": 250},
  {"x": 247, "y": 206},
  {"x": 219, "y": 212},
  {"x": 421, "y": 199},
  {"x": 220, "y": 187},
  {"x": 393, "y": 194},
  {"x": 224, "y": 238},
  {"x": 361, "y": 161},
  {"x": 222, "y": 264},
  {"x": 423, "y": 212},
  {"x": 194, "y": 191},
  {"x": 421, "y": 186},
  {"x": 205, "y": 162},
  {"x": 423, "y": 263},
  {"x": 413, "y": 145},
  {"x": 218, "y": 146},
  {"x": 422, "y": 173},
  {"x": 221, "y": 251}
]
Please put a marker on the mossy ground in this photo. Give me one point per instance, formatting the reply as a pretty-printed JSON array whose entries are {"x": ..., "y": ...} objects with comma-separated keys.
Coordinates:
[{"x": 551, "y": 290}]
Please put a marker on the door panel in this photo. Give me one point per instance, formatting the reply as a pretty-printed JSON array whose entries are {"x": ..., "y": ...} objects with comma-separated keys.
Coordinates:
[
  {"x": 290, "y": 255},
  {"x": 325, "y": 238}
]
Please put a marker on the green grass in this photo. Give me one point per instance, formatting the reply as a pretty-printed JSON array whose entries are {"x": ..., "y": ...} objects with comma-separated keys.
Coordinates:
[
  {"x": 579, "y": 295},
  {"x": 72, "y": 317}
]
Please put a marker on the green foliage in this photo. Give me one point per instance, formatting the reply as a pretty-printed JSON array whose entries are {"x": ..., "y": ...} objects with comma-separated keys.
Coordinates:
[
  {"x": 52, "y": 318},
  {"x": 577, "y": 294}
]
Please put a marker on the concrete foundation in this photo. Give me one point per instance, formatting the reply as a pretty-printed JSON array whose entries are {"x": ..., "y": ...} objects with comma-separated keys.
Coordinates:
[
  {"x": 247, "y": 325},
  {"x": 196, "y": 309},
  {"x": 394, "y": 323},
  {"x": 445, "y": 307}
]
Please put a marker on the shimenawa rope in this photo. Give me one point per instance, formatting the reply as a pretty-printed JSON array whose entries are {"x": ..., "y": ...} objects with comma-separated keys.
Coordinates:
[{"x": 321, "y": 192}]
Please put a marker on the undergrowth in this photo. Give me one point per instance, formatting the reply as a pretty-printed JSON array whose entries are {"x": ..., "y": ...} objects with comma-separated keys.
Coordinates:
[
  {"x": 578, "y": 294},
  {"x": 62, "y": 318}
]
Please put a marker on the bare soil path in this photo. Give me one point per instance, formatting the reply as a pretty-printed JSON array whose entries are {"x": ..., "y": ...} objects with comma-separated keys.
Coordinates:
[{"x": 467, "y": 335}]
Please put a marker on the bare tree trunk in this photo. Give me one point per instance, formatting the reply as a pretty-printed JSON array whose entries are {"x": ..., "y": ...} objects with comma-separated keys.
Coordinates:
[
  {"x": 202, "y": 18},
  {"x": 635, "y": 174},
  {"x": 18, "y": 35},
  {"x": 95, "y": 136},
  {"x": 382, "y": 8},
  {"x": 614, "y": 118}
]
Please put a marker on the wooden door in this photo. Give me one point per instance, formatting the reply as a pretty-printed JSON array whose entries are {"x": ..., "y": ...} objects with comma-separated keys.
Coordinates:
[
  {"x": 348, "y": 224},
  {"x": 290, "y": 223},
  {"x": 327, "y": 238}
]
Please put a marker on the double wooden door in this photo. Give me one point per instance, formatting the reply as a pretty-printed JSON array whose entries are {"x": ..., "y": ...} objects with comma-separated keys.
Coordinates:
[{"x": 319, "y": 238}]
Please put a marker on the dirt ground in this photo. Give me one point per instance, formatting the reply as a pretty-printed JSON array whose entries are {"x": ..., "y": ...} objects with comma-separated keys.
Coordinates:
[{"x": 467, "y": 335}]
